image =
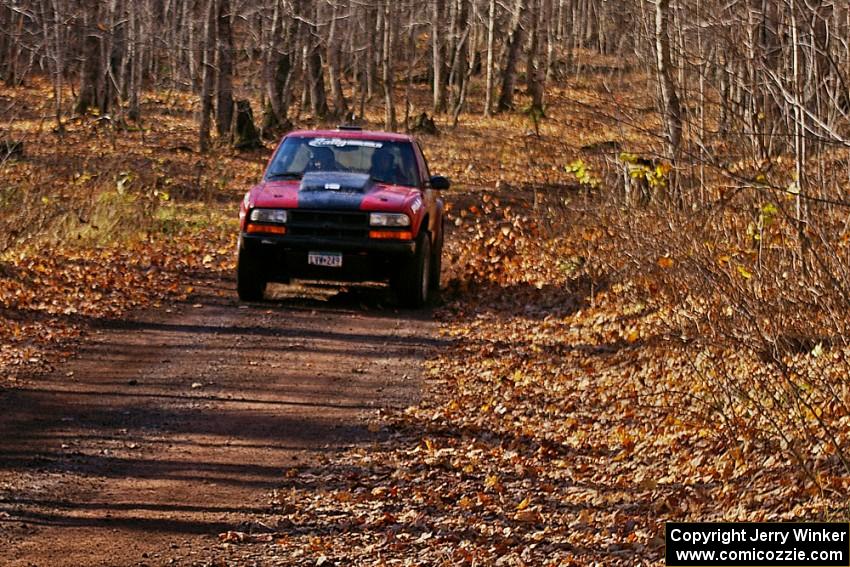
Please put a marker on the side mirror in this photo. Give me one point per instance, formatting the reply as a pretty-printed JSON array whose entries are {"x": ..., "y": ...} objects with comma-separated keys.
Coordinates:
[{"x": 440, "y": 183}]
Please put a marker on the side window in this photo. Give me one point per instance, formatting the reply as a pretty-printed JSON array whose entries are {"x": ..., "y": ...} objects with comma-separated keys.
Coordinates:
[
  {"x": 423, "y": 165},
  {"x": 407, "y": 163},
  {"x": 292, "y": 156}
]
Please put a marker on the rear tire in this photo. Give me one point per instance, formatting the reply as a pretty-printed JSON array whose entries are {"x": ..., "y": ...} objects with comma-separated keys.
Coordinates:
[
  {"x": 437, "y": 262},
  {"x": 250, "y": 283},
  {"x": 413, "y": 284}
]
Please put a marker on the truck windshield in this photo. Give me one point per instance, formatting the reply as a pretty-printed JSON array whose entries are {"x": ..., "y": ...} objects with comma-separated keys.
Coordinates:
[{"x": 393, "y": 163}]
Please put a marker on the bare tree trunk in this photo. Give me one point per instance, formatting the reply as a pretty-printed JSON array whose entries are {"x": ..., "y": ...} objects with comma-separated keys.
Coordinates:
[
  {"x": 464, "y": 85},
  {"x": 506, "y": 99},
  {"x": 672, "y": 111},
  {"x": 91, "y": 69},
  {"x": 124, "y": 33},
  {"x": 6, "y": 16},
  {"x": 411, "y": 57},
  {"x": 191, "y": 46},
  {"x": 533, "y": 43},
  {"x": 208, "y": 75},
  {"x": 136, "y": 62},
  {"x": 366, "y": 62},
  {"x": 537, "y": 68},
  {"x": 13, "y": 52},
  {"x": 460, "y": 55},
  {"x": 318, "y": 98},
  {"x": 278, "y": 70},
  {"x": 224, "y": 47},
  {"x": 334, "y": 67},
  {"x": 58, "y": 62},
  {"x": 770, "y": 61},
  {"x": 107, "y": 84},
  {"x": 286, "y": 69},
  {"x": 491, "y": 28},
  {"x": 437, "y": 62},
  {"x": 372, "y": 15},
  {"x": 388, "y": 79},
  {"x": 799, "y": 138},
  {"x": 306, "y": 84},
  {"x": 553, "y": 23},
  {"x": 465, "y": 23},
  {"x": 272, "y": 67}
]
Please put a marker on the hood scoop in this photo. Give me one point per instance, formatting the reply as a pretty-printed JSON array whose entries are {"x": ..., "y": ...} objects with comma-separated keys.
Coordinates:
[{"x": 341, "y": 182}]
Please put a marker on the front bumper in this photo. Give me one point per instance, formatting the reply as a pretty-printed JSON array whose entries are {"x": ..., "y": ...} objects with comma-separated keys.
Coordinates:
[{"x": 285, "y": 256}]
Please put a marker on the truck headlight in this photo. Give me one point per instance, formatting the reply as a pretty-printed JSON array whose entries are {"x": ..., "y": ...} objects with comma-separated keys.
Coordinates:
[
  {"x": 389, "y": 219},
  {"x": 272, "y": 216}
]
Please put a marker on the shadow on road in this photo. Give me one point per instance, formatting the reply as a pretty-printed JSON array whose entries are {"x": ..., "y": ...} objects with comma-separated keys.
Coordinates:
[{"x": 180, "y": 421}]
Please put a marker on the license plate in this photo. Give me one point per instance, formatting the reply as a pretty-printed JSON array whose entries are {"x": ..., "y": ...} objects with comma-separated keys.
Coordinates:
[{"x": 325, "y": 259}]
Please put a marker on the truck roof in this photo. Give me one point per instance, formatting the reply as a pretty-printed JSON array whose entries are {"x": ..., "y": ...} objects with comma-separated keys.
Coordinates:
[{"x": 352, "y": 135}]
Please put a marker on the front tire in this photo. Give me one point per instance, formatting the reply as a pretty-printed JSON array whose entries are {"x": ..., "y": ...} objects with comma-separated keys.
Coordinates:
[
  {"x": 413, "y": 284},
  {"x": 250, "y": 282}
]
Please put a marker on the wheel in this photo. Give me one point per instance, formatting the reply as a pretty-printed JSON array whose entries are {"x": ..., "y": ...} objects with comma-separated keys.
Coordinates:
[
  {"x": 413, "y": 284},
  {"x": 250, "y": 283},
  {"x": 437, "y": 262}
]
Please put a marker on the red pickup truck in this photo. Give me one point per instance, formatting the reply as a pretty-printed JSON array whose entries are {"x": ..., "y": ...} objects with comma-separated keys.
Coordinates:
[{"x": 344, "y": 205}]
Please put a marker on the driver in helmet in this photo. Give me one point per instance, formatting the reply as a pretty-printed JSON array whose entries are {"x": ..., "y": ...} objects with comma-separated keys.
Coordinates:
[{"x": 383, "y": 166}]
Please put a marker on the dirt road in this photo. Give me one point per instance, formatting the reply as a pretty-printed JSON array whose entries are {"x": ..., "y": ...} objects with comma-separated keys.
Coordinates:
[{"x": 177, "y": 424}]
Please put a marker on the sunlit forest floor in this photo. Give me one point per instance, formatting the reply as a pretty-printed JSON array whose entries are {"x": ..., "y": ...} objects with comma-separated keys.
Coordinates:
[{"x": 552, "y": 430}]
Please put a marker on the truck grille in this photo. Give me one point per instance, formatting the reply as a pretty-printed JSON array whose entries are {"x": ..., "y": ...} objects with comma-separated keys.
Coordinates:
[{"x": 329, "y": 224}]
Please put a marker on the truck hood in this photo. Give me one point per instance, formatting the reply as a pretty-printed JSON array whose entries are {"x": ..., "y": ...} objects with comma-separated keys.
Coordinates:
[{"x": 334, "y": 191}]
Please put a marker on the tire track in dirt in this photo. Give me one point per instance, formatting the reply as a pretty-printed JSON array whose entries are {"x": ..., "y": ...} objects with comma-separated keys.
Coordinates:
[{"x": 170, "y": 427}]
